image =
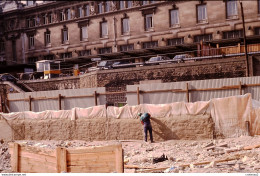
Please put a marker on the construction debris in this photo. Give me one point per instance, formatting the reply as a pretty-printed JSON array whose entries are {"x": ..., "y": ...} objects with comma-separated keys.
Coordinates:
[
  {"x": 160, "y": 159},
  {"x": 229, "y": 155}
]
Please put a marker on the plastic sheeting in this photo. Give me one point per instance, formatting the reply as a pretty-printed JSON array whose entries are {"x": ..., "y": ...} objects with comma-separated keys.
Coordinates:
[
  {"x": 73, "y": 114},
  {"x": 229, "y": 114}
]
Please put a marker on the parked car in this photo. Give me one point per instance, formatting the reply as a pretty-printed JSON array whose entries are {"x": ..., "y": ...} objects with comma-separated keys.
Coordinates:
[
  {"x": 103, "y": 65},
  {"x": 158, "y": 60},
  {"x": 123, "y": 64},
  {"x": 181, "y": 57},
  {"x": 7, "y": 77}
]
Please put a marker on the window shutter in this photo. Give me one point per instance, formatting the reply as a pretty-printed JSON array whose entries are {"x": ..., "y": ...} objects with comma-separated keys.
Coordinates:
[
  {"x": 104, "y": 29},
  {"x": 69, "y": 14},
  {"x": 125, "y": 25},
  {"x": 235, "y": 7},
  {"x": 199, "y": 13},
  {"x": 84, "y": 32},
  {"x": 205, "y": 12},
  {"x": 174, "y": 17},
  {"x": 87, "y": 10}
]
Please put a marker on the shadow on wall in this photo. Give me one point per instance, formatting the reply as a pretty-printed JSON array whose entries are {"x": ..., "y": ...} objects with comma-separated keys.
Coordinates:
[{"x": 162, "y": 130}]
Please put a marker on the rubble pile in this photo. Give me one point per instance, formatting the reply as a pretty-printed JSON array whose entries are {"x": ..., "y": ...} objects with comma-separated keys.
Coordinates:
[
  {"x": 230, "y": 155},
  {"x": 5, "y": 164}
]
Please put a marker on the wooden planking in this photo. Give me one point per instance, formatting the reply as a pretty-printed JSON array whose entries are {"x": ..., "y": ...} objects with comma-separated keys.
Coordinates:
[
  {"x": 251, "y": 147},
  {"x": 38, "y": 150},
  {"x": 92, "y": 149},
  {"x": 38, "y": 157},
  {"x": 24, "y": 160},
  {"x": 104, "y": 159},
  {"x": 119, "y": 159},
  {"x": 61, "y": 155},
  {"x": 15, "y": 157},
  {"x": 105, "y": 156},
  {"x": 30, "y": 166},
  {"x": 88, "y": 163},
  {"x": 82, "y": 169}
]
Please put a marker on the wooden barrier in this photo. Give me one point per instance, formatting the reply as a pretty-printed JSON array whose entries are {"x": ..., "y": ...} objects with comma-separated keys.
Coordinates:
[{"x": 32, "y": 159}]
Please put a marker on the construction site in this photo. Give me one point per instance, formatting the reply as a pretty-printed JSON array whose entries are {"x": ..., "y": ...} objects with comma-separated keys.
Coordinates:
[
  {"x": 219, "y": 135},
  {"x": 75, "y": 76}
]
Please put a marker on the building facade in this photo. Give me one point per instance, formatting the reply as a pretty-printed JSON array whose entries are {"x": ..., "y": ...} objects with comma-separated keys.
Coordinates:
[{"x": 76, "y": 31}]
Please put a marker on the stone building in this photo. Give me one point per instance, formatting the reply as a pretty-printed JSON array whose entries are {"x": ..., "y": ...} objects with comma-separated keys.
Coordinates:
[{"x": 76, "y": 31}]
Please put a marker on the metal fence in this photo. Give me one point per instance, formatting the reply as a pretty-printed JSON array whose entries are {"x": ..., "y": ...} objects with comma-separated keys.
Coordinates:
[
  {"x": 55, "y": 99},
  {"x": 154, "y": 93},
  {"x": 192, "y": 91}
]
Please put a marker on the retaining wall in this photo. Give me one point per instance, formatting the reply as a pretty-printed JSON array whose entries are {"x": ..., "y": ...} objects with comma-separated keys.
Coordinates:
[{"x": 188, "y": 127}]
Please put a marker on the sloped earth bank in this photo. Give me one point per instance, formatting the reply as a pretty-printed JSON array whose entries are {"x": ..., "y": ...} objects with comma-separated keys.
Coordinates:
[{"x": 204, "y": 156}]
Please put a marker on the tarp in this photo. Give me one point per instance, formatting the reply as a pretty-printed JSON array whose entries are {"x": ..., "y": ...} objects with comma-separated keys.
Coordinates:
[{"x": 229, "y": 114}]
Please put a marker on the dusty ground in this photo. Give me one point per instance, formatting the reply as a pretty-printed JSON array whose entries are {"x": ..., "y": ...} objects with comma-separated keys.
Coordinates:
[{"x": 183, "y": 156}]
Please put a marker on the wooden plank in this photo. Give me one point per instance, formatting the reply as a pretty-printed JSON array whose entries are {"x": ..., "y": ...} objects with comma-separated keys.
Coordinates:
[
  {"x": 109, "y": 148},
  {"x": 220, "y": 88},
  {"x": 187, "y": 92},
  {"x": 30, "y": 166},
  {"x": 82, "y": 169},
  {"x": 37, "y": 161},
  {"x": 251, "y": 85},
  {"x": 119, "y": 159},
  {"x": 15, "y": 157},
  {"x": 59, "y": 101},
  {"x": 217, "y": 161},
  {"x": 138, "y": 96},
  {"x": 79, "y": 96},
  {"x": 247, "y": 124},
  {"x": 136, "y": 167},
  {"x": 155, "y": 169},
  {"x": 61, "y": 155},
  {"x": 30, "y": 103},
  {"x": 105, "y": 156},
  {"x": 240, "y": 88},
  {"x": 38, "y": 157},
  {"x": 38, "y": 150},
  {"x": 90, "y": 163},
  {"x": 95, "y": 96},
  {"x": 251, "y": 147}
]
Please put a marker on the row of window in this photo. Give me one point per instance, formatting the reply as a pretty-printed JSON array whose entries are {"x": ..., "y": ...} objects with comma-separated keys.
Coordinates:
[
  {"x": 81, "y": 11},
  {"x": 152, "y": 44},
  {"x": 201, "y": 11},
  {"x": 66, "y": 14}
]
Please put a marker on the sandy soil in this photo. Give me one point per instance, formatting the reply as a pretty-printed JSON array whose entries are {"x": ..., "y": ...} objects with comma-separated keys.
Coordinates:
[{"x": 139, "y": 155}]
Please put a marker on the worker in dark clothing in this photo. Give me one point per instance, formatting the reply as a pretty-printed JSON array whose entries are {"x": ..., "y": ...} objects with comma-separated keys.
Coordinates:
[{"x": 145, "y": 120}]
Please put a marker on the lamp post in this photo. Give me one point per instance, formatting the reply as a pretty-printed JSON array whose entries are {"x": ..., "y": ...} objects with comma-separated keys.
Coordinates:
[{"x": 245, "y": 43}]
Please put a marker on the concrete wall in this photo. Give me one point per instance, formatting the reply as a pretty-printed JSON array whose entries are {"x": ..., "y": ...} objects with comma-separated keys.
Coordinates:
[
  {"x": 54, "y": 84},
  {"x": 210, "y": 69},
  {"x": 177, "y": 127}
]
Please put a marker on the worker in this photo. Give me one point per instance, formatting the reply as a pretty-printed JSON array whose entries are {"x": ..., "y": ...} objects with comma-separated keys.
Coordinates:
[{"x": 145, "y": 120}]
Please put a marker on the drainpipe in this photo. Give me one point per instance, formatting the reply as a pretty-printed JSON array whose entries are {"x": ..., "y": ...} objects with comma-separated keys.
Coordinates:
[
  {"x": 115, "y": 43},
  {"x": 245, "y": 43},
  {"x": 23, "y": 47}
]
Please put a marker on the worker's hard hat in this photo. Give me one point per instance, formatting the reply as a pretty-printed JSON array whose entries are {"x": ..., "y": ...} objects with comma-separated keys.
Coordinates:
[{"x": 139, "y": 114}]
